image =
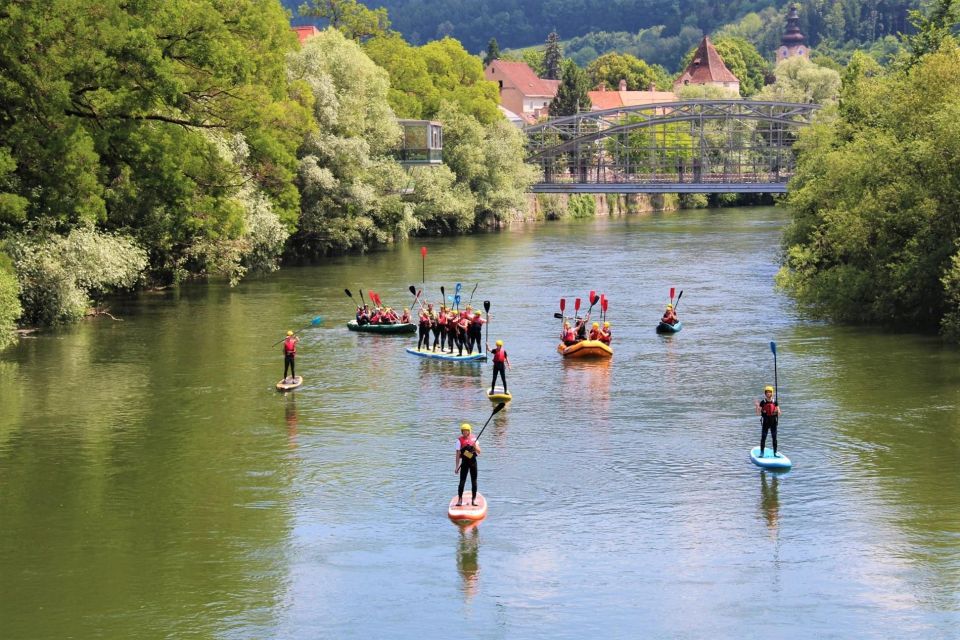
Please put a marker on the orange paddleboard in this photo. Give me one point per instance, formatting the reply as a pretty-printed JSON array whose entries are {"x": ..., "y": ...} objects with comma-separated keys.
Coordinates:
[{"x": 467, "y": 513}]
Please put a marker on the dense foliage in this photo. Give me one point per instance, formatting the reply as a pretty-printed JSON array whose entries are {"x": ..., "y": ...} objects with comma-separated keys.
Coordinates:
[
  {"x": 158, "y": 140},
  {"x": 522, "y": 23},
  {"x": 876, "y": 231}
]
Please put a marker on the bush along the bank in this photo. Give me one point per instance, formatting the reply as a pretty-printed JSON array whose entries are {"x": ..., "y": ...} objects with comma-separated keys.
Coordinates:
[
  {"x": 59, "y": 275},
  {"x": 876, "y": 198},
  {"x": 10, "y": 308}
]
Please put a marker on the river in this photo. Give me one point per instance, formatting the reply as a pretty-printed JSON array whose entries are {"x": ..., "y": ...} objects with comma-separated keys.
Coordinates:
[{"x": 153, "y": 484}]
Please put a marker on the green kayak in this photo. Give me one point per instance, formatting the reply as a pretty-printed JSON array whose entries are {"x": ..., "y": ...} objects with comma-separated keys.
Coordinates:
[{"x": 382, "y": 328}]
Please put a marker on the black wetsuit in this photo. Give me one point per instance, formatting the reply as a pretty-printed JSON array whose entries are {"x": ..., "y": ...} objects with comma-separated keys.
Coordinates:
[
  {"x": 424, "y": 333},
  {"x": 468, "y": 465},
  {"x": 768, "y": 422}
]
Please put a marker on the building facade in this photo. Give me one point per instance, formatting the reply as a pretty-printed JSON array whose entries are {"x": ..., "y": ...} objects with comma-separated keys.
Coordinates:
[
  {"x": 707, "y": 68},
  {"x": 792, "y": 43},
  {"x": 521, "y": 91}
]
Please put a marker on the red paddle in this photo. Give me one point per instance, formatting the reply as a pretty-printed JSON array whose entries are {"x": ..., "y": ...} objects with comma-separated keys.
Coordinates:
[
  {"x": 603, "y": 306},
  {"x": 563, "y": 306},
  {"x": 672, "y": 291}
]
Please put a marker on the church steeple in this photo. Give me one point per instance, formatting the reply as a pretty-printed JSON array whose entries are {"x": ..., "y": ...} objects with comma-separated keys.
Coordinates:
[{"x": 791, "y": 44}]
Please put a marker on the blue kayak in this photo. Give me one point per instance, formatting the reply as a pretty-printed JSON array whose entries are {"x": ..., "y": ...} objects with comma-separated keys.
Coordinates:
[
  {"x": 663, "y": 327},
  {"x": 769, "y": 461},
  {"x": 436, "y": 355}
]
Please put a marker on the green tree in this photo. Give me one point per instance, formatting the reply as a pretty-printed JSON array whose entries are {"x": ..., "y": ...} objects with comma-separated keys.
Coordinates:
[
  {"x": 349, "y": 17},
  {"x": 493, "y": 52},
  {"x": 553, "y": 57},
  {"x": 799, "y": 80},
  {"x": 348, "y": 183},
  {"x": 876, "y": 199},
  {"x": 458, "y": 77},
  {"x": 611, "y": 68},
  {"x": 572, "y": 94},
  {"x": 932, "y": 30},
  {"x": 412, "y": 93}
]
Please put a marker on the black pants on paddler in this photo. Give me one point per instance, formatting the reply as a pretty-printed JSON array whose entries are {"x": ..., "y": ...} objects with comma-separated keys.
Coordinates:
[
  {"x": 467, "y": 465},
  {"x": 436, "y": 334},
  {"x": 473, "y": 338},
  {"x": 763, "y": 437},
  {"x": 288, "y": 364},
  {"x": 424, "y": 336},
  {"x": 499, "y": 367}
]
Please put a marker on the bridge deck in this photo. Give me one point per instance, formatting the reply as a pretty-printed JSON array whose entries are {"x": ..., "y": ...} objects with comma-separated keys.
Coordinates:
[{"x": 659, "y": 187}]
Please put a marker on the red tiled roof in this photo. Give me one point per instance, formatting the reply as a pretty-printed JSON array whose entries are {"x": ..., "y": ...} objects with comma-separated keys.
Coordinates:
[
  {"x": 706, "y": 67},
  {"x": 613, "y": 99},
  {"x": 521, "y": 76},
  {"x": 306, "y": 32}
]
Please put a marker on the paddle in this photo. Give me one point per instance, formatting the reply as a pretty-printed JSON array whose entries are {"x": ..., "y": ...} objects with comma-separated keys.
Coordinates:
[
  {"x": 603, "y": 306},
  {"x": 678, "y": 301},
  {"x": 563, "y": 306},
  {"x": 362, "y": 299},
  {"x": 473, "y": 292},
  {"x": 558, "y": 316},
  {"x": 315, "y": 323},
  {"x": 496, "y": 410},
  {"x": 486, "y": 307},
  {"x": 456, "y": 296},
  {"x": 423, "y": 264},
  {"x": 416, "y": 295},
  {"x": 443, "y": 296},
  {"x": 773, "y": 348},
  {"x": 672, "y": 291}
]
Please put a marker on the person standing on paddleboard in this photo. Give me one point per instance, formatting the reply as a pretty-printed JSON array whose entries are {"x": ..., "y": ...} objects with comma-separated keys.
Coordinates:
[
  {"x": 769, "y": 412},
  {"x": 467, "y": 452},
  {"x": 500, "y": 363},
  {"x": 289, "y": 353}
]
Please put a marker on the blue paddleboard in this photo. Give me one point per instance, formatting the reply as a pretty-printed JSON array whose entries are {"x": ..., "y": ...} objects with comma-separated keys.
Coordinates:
[
  {"x": 426, "y": 353},
  {"x": 768, "y": 461}
]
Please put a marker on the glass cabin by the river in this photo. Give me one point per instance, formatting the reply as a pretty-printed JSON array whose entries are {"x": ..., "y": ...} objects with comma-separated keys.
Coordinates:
[{"x": 422, "y": 143}]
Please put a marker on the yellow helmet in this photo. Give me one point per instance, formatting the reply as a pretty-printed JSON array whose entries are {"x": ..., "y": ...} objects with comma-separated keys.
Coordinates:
[
  {"x": 405, "y": 310},
  {"x": 669, "y": 306},
  {"x": 499, "y": 343},
  {"x": 606, "y": 325},
  {"x": 768, "y": 388},
  {"x": 465, "y": 427},
  {"x": 289, "y": 333}
]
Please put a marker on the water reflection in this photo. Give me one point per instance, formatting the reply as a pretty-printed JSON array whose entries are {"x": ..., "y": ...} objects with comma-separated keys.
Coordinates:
[
  {"x": 770, "y": 500},
  {"x": 290, "y": 417},
  {"x": 468, "y": 548}
]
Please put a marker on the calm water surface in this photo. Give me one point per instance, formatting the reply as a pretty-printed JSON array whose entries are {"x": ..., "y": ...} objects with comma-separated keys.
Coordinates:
[{"x": 153, "y": 484}]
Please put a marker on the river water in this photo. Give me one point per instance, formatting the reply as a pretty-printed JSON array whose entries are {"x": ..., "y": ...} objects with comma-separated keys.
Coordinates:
[{"x": 153, "y": 484}]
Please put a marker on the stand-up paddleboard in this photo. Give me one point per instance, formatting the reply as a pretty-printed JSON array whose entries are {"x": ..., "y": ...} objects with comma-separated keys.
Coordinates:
[
  {"x": 768, "y": 461},
  {"x": 467, "y": 513},
  {"x": 663, "y": 327},
  {"x": 436, "y": 355},
  {"x": 499, "y": 395},
  {"x": 287, "y": 386}
]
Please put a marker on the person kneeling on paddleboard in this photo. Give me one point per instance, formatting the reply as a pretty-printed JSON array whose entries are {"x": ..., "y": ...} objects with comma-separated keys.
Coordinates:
[
  {"x": 499, "y": 360},
  {"x": 669, "y": 316},
  {"x": 467, "y": 452},
  {"x": 769, "y": 412},
  {"x": 289, "y": 353}
]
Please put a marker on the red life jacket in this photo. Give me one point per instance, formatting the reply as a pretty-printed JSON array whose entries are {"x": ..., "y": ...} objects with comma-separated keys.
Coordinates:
[
  {"x": 290, "y": 346},
  {"x": 466, "y": 446},
  {"x": 569, "y": 336},
  {"x": 499, "y": 355},
  {"x": 594, "y": 334}
]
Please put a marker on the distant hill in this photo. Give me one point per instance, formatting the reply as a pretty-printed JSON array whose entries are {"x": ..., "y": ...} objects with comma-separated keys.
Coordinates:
[{"x": 522, "y": 23}]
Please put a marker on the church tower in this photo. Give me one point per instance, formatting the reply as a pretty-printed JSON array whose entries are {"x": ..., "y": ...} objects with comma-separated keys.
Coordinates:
[{"x": 791, "y": 44}]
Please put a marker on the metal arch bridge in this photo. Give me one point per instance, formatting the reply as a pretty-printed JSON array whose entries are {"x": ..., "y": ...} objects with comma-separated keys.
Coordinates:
[{"x": 691, "y": 146}]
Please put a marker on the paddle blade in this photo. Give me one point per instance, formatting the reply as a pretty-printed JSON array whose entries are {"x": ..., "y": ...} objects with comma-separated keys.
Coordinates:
[
  {"x": 594, "y": 299},
  {"x": 349, "y": 295},
  {"x": 486, "y": 306},
  {"x": 558, "y": 316},
  {"x": 316, "y": 322},
  {"x": 456, "y": 299},
  {"x": 576, "y": 304},
  {"x": 459, "y": 286},
  {"x": 603, "y": 303},
  {"x": 563, "y": 304},
  {"x": 498, "y": 408},
  {"x": 423, "y": 252},
  {"x": 443, "y": 293},
  {"x": 593, "y": 294},
  {"x": 773, "y": 347},
  {"x": 412, "y": 289},
  {"x": 673, "y": 290}
]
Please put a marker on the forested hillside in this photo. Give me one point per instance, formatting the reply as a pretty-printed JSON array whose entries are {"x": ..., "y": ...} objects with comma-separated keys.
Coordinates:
[{"x": 521, "y": 23}]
